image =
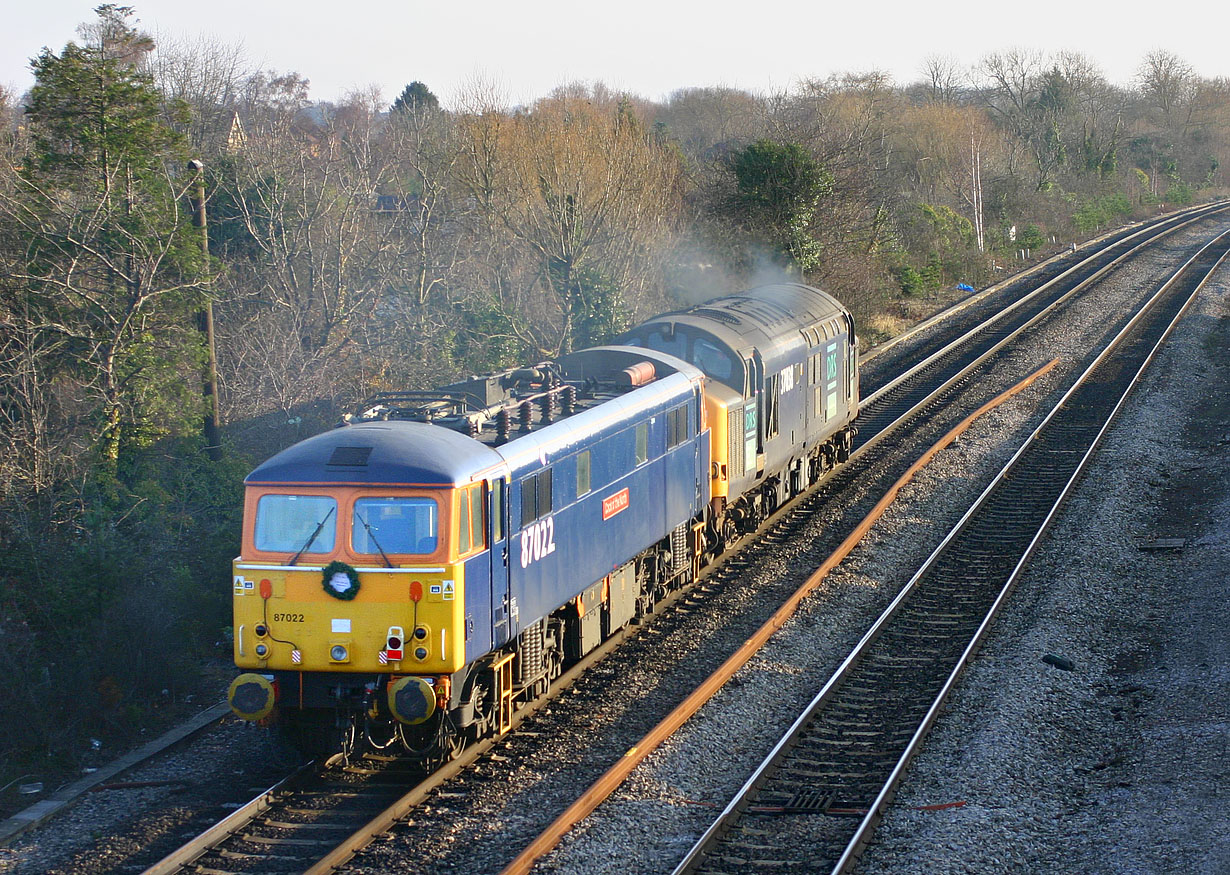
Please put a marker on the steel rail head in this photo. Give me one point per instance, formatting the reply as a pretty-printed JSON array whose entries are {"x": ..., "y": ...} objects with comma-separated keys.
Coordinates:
[{"x": 186, "y": 855}]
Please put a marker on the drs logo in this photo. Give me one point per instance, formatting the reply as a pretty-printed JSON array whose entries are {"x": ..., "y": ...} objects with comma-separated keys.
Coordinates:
[{"x": 537, "y": 541}]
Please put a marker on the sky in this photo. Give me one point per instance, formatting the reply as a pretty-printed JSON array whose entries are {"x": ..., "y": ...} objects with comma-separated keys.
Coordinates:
[{"x": 649, "y": 48}]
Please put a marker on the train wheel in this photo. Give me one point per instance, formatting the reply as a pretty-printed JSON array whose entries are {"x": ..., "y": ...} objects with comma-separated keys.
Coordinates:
[
  {"x": 450, "y": 742},
  {"x": 483, "y": 718},
  {"x": 347, "y": 738},
  {"x": 730, "y": 531},
  {"x": 770, "y": 500}
]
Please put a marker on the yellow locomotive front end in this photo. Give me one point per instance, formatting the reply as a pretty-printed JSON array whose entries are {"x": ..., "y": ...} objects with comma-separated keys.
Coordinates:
[
  {"x": 349, "y": 592},
  {"x": 347, "y": 580},
  {"x": 339, "y": 591}
]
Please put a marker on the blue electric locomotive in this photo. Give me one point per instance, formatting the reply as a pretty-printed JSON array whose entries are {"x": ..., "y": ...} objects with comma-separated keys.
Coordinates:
[{"x": 408, "y": 576}]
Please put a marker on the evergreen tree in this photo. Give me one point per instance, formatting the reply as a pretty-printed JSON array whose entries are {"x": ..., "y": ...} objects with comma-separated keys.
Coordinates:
[
  {"x": 111, "y": 265},
  {"x": 778, "y": 188},
  {"x": 415, "y": 98}
]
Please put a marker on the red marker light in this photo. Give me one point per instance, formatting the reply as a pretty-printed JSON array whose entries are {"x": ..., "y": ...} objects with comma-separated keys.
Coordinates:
[
  {"x": 266, "y": 589},
  {"x": 416, "y": 591}
]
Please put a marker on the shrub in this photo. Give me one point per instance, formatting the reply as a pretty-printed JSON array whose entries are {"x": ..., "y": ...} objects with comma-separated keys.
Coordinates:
[{"x": 1178, "y": 193}]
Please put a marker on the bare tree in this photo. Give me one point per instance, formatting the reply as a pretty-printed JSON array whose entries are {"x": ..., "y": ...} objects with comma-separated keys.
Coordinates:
[
  {"x": 207, "y": 76},
  {"x": 948, "y": 151},
  {"x": 584, "y": 194},
  {"x": 1025, "y": 96},
  {"x": 709, "y": 122},
  {"x": 1167, "y": 83},
  {"x": 943, "y": 77},
  {"x": 848, "y": 123},
  {"x": 1098, "y": 108}
]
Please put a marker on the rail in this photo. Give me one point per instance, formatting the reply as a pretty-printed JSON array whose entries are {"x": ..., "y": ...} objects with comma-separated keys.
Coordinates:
[{"x": 880, "y": 681}]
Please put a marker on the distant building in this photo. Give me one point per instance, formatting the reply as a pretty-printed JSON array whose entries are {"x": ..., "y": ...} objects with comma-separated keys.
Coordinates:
[
  {"x": 395, "y": 203},
  {"x": 236, "y": 138}
]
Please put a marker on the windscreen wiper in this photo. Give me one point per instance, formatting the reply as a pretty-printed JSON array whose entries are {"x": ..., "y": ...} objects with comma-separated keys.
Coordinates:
[
  {"x": 371, "y": 534},
  {"x": 320, "y": 525}
]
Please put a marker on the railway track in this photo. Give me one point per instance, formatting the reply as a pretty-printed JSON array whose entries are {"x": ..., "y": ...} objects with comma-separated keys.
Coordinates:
[
  {"x": 944, "y": 359},
  {"x": 287, "y": 827},
  {"x": 322, "y": 813},
  {"x": 321, "y": 832},
  {"x": 1058, "y": 274},
  {"x": 814, "y": 802}
]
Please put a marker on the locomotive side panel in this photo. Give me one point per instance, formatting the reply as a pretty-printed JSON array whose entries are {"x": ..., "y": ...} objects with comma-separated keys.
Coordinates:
[{"x": 636, "y": 491}]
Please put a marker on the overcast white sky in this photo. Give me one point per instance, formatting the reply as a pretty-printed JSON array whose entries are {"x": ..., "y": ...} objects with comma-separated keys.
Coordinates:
[{"x": 650, "y": 47}]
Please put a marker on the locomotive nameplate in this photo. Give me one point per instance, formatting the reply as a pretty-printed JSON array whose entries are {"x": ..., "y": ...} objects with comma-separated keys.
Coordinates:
[{"x": 616, "y": 503}]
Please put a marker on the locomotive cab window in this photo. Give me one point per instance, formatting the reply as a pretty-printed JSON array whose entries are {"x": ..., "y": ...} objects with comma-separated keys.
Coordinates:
[
  {"x": 470, "y": 532},
  {"x": 395, "y": 525},
  {"x": 295, "y": 523},
  {"x": 642, "y": 443},
  {"x": 676, "y": 343},
  {"x": 713, "y": 360}
]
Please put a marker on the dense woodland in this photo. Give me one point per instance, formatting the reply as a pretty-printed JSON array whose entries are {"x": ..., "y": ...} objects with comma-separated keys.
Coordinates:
[{"x": 370, "y": 244}]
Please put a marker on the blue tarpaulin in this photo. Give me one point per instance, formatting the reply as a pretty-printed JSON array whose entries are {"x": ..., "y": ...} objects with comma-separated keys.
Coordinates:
[{"x": 964, "y": 287}]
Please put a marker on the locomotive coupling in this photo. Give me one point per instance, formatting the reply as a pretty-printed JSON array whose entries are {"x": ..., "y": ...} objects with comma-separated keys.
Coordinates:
[
  {"x": 251, "y": 696},
  {"x": 411, "y": 699}
]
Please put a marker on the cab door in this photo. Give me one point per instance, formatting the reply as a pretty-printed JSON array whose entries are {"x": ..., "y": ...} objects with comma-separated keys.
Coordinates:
[
  {"x": 497, "y": 536},
  {"x": 756, "y": 423}
]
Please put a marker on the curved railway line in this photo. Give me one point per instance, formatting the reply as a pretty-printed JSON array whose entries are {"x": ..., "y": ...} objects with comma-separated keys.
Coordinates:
[
  {"x": 846, "y": 754},
  {"x": 318, "y": 819}
]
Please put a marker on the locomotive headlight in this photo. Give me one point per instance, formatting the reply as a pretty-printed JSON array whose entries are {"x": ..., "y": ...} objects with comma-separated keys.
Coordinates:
[
  {"x": 262, "y": 650},
  {"x": 261, "y": 630},
  {"x": 420, "y": 632},
  {"x": 339, "y": 653},
  {"x": 420, "y": 653}
]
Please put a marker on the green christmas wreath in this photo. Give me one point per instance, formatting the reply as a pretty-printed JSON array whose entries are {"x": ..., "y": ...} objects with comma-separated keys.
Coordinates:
[{"x": 340, "y": 581}]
